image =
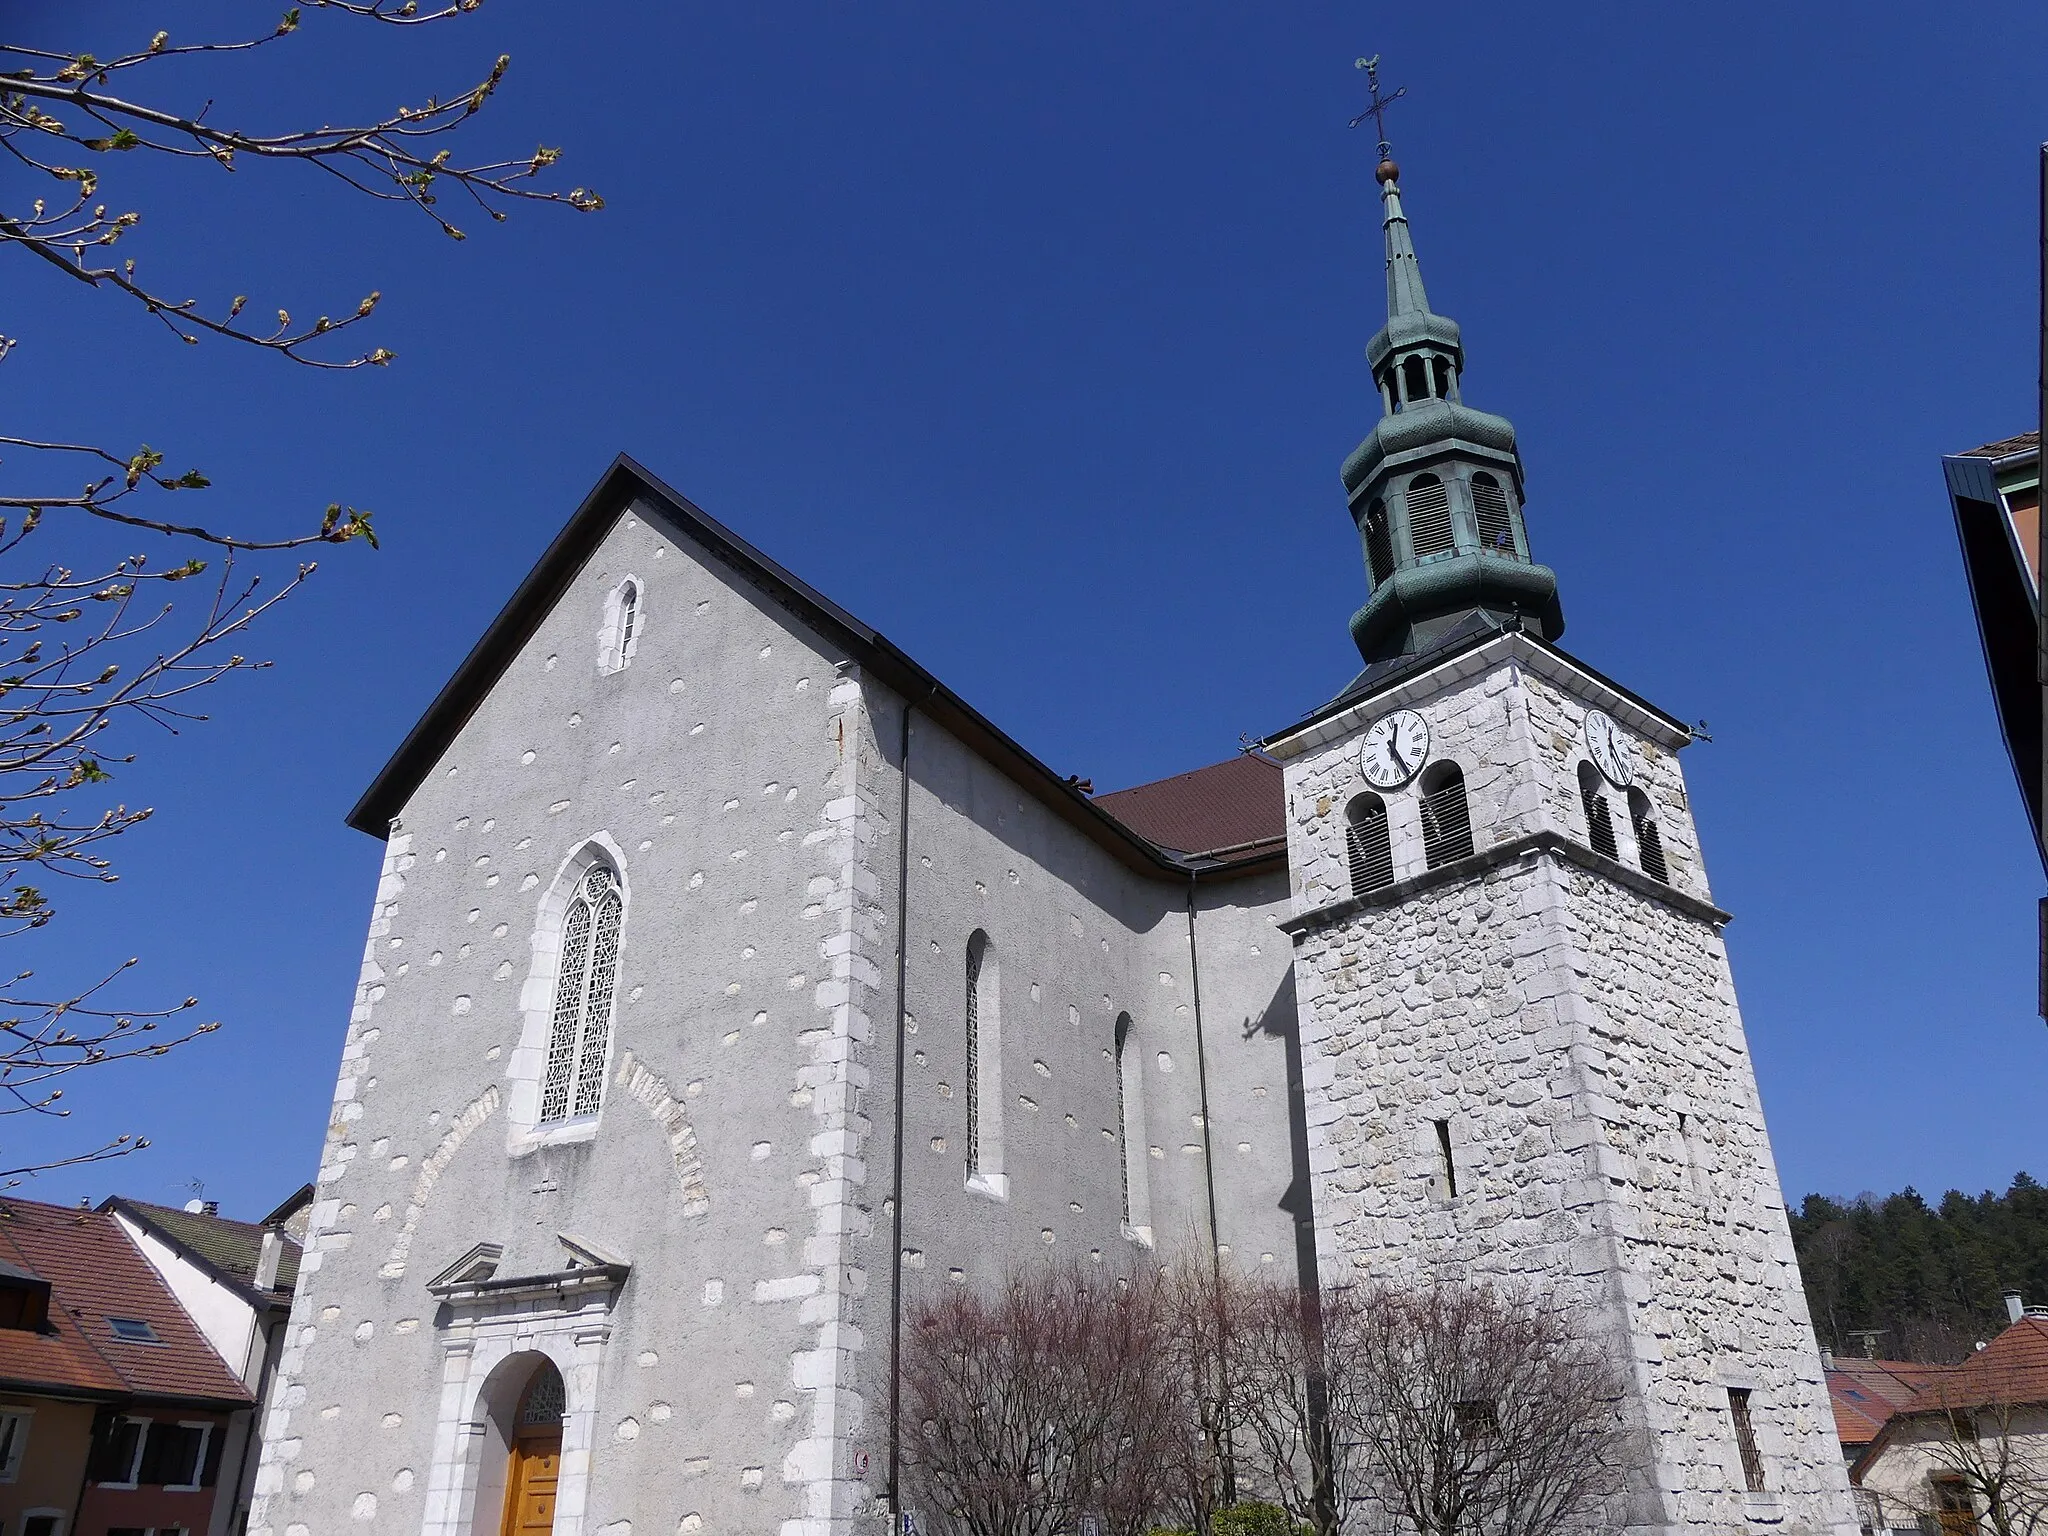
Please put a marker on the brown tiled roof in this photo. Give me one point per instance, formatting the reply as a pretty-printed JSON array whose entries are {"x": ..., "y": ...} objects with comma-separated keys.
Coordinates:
[
  {"x": 95, "y": 1272},
  {"x": 2012, "y": 1369},
  {"x": 230, "y": 1248},
  {"x": 1226, "y": 805},
  {"x": 2005, "y": 447},
  {"x": 1864, "y": 1393}
]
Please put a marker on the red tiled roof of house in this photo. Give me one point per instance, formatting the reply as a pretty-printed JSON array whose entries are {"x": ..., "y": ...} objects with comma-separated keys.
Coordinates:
[
  {"x": 1864, "y": 1393},
  {"x": 1226, "y": 805},
  {"x": 95, "y": 1273},
  {"x": 2012, "y": 1368}
]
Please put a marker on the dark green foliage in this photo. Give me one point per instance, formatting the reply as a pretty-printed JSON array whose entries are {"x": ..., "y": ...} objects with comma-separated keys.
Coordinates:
[
  {"x": 1930, "y": 1279},
  {"x": 1252, "y": 1519}
]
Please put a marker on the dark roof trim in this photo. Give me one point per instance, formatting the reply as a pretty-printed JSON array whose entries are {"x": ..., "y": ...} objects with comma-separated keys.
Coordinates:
[
  {"x": 22, "y": 1386},
  {"x": 293, "y": 1203},
  {"x": 625, "y": 482},
  {"x": 2008, "y": 621}
]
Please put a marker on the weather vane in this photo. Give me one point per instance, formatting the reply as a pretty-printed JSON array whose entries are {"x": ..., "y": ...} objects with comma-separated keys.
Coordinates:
[{"x": 1378, "y": 110}]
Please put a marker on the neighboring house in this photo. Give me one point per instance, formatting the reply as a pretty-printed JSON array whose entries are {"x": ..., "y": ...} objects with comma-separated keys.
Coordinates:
[
  {"x": 234, "y": 1279},
  {"x": 1934, "y": 1460},
  {"x": 1995, "y": 493},
  {"x": 114, "y": 1409}
]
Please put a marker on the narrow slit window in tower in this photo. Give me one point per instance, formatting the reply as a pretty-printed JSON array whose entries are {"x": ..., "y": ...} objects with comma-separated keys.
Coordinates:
[
  {"x": 1429, "y": 516},
  {"x": 976, "y": 947},
  {"x": 1490, "y": 504},
  {"x": 1599, "y": 820},
  {"x": 1367, "y": 845},
  {"x": 1379, "y": 541},
  {"x": 1649, "y": 841},
  {"x": 1446, "y": 819},
  {"x": 1446, "y": 1164},
  {"x": 1745, "y": 1438}
]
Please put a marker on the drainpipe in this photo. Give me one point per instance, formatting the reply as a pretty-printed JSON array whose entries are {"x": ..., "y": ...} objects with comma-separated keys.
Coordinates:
[
  {"x": 1202, "y": 1079},
  {"x": 896, "y": 1182}
]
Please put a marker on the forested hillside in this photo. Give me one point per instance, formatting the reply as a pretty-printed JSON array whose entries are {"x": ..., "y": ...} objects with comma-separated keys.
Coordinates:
[{"x": 1930, "y": 1279}]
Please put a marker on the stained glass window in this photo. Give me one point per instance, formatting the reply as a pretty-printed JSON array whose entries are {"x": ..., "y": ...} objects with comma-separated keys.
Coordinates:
[{"x": 583, "y": 999}]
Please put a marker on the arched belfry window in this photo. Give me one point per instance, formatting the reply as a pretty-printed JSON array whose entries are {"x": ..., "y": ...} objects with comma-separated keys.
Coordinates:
[
  {"x": 983, "y": 1088},
  {"x": 1429, "y": 517},
  {"x": 1599, "y": 820},
  {"x": 624, "y": 619},
  {"x": 1443, "y": 377},
  {"x": 1379, "y": 541},
  {"x": 1490, "y": 507},
  {"x": 1446, "y": 819},
  {"x": 1130, "y": 1132},
  {"x": 573, "y": 1086},
  {"x": 1368, "y": 845},
  {"x": 1415, "y": 374},
  {"x": 1649, "y": 841}
]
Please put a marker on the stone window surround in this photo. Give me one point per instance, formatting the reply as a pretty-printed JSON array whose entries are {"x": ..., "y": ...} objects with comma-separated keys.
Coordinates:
[
  {"x": 565, "y": 1317},
  {"x": 985, "y": 1176},
  {"x": 615, "y": 645},
  {"x": 526, "y": 1065},
  {"x": 1134, "y": 1133}
]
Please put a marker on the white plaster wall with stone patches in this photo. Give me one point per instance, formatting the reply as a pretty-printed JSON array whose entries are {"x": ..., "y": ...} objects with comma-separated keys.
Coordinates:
[
  {"x": 1557, "y": 1022},
  {"x": 725, "y": 1166}
]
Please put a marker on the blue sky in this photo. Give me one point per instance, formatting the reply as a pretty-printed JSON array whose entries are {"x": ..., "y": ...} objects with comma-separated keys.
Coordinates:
[{"x": 1033, "y": 334}]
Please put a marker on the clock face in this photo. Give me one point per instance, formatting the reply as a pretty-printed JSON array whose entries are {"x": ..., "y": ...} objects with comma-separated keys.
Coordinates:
[
  {"x": 1609, "y": 748},
  {"x": 1396, "y": 746}
]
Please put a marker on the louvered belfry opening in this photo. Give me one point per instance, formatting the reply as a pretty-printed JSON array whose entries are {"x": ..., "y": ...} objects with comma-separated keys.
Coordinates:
[
  {"x": 1649, "y": 841},
  {"x": 1379, "y": 541},
  {"x": 1429, "y": 517},
  {"x": 1599, "y": 819},
  {"x": 1446, "y": 819},
  {"x": 1490, "y": 506},
  {"x": 1368, "y": 844}
]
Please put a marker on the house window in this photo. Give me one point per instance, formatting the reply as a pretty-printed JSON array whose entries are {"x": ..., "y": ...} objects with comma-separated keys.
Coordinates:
[
  {"x": 984, "y": 1085},
  {"x": 574, "y": 1086},
  {"x": 1955, "y": 1510},
  {"x": 1379, "y": 541},
  {"x": 14, "y": 1424},
  {"x": 1599, "y": 819},
  {"x": 1649, "y": 842},
  {"x": 1490, "y": 507},
  {"x": 24, "y": 1304},
  {"x": 133, "y": 1330},
  {"x": 174, "y": 1455},
  {"x": 42, "y": 1522},
  {"x": 1745, "y": 1438},
  {"x": 1367, "y": 844},
  {"x": 1446, "y": 819},
  {"x": 1429, "y": 517},
  {"x": 1130, "y": 1121},
  {"x": 1475, "y": 1418},
  {"x": 119, "y": 1454}
]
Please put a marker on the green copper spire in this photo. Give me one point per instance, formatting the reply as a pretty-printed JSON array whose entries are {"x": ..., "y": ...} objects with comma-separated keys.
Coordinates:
[{"x": 1436, "y": 488}]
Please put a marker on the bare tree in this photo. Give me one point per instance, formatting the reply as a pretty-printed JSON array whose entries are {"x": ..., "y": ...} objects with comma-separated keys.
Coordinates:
[
  {"x": 1466, "y": 1411},
  {"x": 1987, "y": 1453},
  {"x": 83, "y": 651},
  {"x": 1032, "y": 1408}
]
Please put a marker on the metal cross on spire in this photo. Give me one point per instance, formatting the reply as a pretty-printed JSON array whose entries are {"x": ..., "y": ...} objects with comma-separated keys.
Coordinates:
[{"x": 1378, "y": 110}]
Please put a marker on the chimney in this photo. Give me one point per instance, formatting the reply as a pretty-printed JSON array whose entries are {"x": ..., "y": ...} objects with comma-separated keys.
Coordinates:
[
  {"x": 266, "y": 1261},
  {"x": 2015, "y": 1306},
  {"x": 1827, "y": 1359},
  {"x": 209, "y": 1208}
]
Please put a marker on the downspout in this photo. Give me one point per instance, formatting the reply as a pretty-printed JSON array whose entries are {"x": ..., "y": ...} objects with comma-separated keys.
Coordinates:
[
  {"x": 896, "y": 1153},
  {"x": 1202, "y": 1080}
]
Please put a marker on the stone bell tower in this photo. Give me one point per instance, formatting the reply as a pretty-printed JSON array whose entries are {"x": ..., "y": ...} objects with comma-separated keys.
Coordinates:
[{"x": 1523, "y": 1059}]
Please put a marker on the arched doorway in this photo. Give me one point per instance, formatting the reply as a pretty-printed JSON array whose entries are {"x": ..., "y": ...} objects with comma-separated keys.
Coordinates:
[{"x": 535, "y": 1462}]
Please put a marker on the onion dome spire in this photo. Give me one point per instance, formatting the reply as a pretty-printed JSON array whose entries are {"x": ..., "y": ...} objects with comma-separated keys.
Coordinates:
[{"x": 1436, "y": 488}]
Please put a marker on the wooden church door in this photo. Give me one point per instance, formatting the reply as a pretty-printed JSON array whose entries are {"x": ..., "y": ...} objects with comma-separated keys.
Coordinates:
[{"x": 536, "y": 1457}]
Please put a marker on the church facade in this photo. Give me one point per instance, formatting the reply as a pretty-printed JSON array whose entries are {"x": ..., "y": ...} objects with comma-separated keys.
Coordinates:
[{"x": 731, "y": 982}]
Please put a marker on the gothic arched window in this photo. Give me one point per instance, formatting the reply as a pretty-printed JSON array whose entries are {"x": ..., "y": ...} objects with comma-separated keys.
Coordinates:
[
  {"x": 1490, "y": 506},
  {"x": 1379, "y": 541},
  {"x": 623, "y": 622},
  {"x": 1368, "y": 846},
  {"x": 1130, "y": 1132},
  {"x": 983, "y": 1087},
  {"x": 1429, "y": 517},
  {"x": 1446, "y": 819},
  {"x": 574, "y": 1085},
  {"x": 1649, "y": 841},
  {"x": 1599, "y": 820}
]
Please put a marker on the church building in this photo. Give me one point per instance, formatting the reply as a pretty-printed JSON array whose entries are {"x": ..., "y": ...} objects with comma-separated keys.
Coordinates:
[{"x": 731, "y": 983}]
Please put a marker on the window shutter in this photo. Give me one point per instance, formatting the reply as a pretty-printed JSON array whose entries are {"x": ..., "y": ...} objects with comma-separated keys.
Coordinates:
[
  {"x": 215, "y": 1443},
  {"x": 1599, "y": 820},
  {"x": 1369, "y": 845},
  {"x": 1649, "y": 841},
  {"x": 1379, "y": 541},
  {"x": 1446, "y": 821},
  {"x": 1490, "y": 504},
  {"x": 1429, "y": 517}
]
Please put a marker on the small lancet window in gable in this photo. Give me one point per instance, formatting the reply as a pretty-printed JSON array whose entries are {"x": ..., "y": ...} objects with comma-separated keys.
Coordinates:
[
  {"x": 623, "y": 622},
  {"x": 984, "y": 1085},
  {"x": 1490, "y": 507},
  {"x": 1649, "y": 841},
  {"x": 1446, "y": 819},
  {"x": 1429, "y": 517},
  {"x": 1368, "y": 846},
  {"x": 1130, "y": 1133},
  {"x": 1379, "y": 541},
  {"x": 1599, "y": 820},
  {"x": 574, "y": 1085}
]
